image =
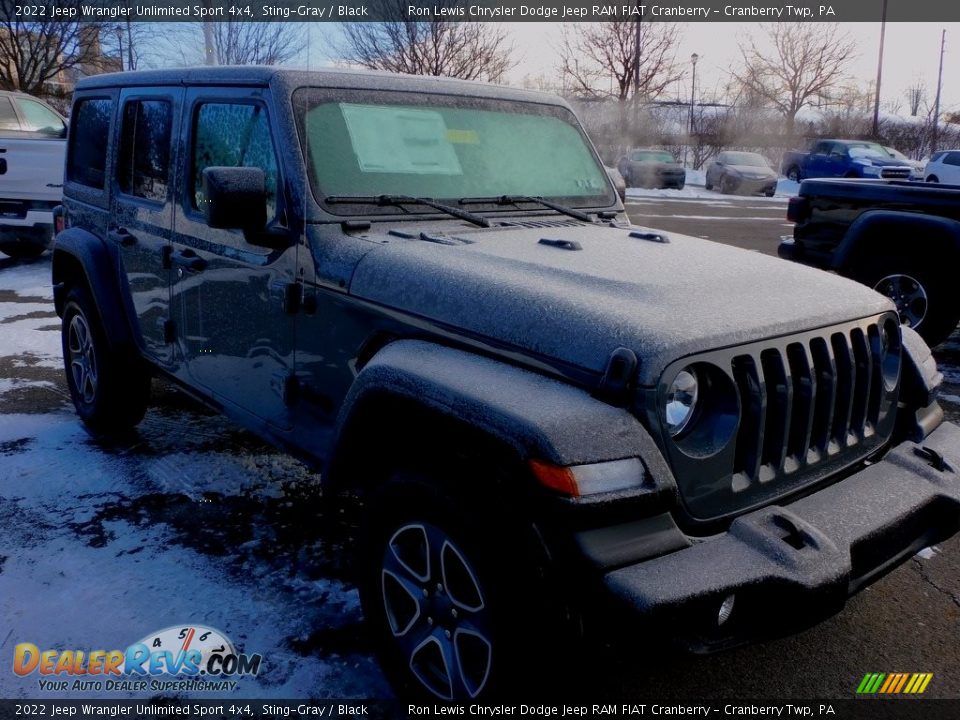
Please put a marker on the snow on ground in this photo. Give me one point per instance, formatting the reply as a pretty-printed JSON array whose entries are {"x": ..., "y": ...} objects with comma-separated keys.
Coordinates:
[{"x": 188, "y": 521}]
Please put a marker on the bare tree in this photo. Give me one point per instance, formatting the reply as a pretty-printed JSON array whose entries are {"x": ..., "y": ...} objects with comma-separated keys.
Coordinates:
[
  {"x": 916, "y": 95},
  {"x": 806, "y": 62},
  {"x": 255, "y": 43},
  {"x": 599, "y": 59},
  {"x": 437, "y": 46},
  {"x": 36, "y": 54},
  {"x": 235, "y": 42}
]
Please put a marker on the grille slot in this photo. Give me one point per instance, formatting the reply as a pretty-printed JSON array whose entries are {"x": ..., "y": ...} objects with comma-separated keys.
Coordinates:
[
  {"x": 542, "y": 223},
  {"x": 804, "y": 402},
  {"x": 899, "y": 173}
]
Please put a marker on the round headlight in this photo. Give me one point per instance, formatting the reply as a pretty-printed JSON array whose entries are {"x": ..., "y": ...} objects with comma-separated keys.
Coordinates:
[
  {"x": 887, "y": 347},
  {"x": 681, "y": 401}
]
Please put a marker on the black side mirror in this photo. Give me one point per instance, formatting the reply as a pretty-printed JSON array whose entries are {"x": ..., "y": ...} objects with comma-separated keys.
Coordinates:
[{"x": 235, "y": 198}]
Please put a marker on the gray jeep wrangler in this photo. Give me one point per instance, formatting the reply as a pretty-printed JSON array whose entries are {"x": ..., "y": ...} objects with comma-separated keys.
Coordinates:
[{"x": 428, "y": 290}]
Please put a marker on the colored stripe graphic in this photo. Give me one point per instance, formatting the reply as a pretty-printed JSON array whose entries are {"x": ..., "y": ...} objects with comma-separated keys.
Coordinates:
[{"x": 894, "y": 683}]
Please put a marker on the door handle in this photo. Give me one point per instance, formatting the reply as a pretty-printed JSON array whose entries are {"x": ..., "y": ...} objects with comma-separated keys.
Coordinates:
[
  {"x": 122, "y": 235},
  {"x": 188, "y": 260}
]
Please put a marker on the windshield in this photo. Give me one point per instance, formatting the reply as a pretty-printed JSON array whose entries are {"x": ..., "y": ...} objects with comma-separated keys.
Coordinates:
[
  {"x": 745, "y": 158},
  {"x": 653, "y": 156},
  {"x": 364, "y": 143},
  {"x": 869, "y": 151}
]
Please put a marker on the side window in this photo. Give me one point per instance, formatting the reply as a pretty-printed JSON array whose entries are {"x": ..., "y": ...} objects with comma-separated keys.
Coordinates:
[
  {"x": 821, "y": 148},
  {"x": 143, "y": 165},
  {"x": 88, "y": 142},
  {"x": 40, "y": 118},
  {"x": 8, "y": 118},
  {"x": 233, "y": 135},
  {"x": 952, "y": 158}
]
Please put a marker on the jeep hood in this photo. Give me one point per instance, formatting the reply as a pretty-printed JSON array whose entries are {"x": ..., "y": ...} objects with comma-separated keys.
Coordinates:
[{"x": 662, "y": 300}]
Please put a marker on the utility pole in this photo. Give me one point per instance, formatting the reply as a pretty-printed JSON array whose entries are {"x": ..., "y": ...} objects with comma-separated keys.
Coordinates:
[
  {"x": 636, "y": 57},
  {"x": 936, "y": 104},
  {"x": 876, "y": 99}
]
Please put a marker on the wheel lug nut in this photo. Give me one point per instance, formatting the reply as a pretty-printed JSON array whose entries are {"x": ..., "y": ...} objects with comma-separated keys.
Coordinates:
[
  {"x": 439, "y": 588},
  {"x": 448, "y": 634},
  {"x": 453, "y": 612},
  {"x": 430, "y": 621}
]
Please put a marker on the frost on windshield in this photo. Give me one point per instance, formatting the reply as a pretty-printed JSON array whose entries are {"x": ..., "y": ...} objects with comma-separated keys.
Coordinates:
[{"x": 435, "y": 148}]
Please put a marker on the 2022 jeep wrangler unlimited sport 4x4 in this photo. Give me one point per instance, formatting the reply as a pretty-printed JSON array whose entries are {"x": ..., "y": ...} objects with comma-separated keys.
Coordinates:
[{"x": 428, "y": 289}]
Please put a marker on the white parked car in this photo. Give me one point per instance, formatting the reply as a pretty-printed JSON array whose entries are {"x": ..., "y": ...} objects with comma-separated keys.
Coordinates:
[
  {"x": 32, "y": 145},
  {"x": 943, "y": 167}
]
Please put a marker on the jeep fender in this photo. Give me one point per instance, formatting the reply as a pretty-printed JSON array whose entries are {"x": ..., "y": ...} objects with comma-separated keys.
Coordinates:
[
  {"x": 535, "y": 416},
  {"x": 81, "y": 255},
  {"x": 891, "y": 231}
]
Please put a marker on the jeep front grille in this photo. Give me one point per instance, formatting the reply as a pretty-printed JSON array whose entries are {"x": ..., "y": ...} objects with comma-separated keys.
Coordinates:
[
  {"x": 811, "y": 405},
  {"x": 895, "y": 173}
]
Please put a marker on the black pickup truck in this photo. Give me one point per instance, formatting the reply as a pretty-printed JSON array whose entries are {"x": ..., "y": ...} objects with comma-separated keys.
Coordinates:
[{"x": 900, "y": 238}]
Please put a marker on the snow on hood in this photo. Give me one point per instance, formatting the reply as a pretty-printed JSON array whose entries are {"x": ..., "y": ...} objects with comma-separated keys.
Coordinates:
[{"x": 664, "y": 301}]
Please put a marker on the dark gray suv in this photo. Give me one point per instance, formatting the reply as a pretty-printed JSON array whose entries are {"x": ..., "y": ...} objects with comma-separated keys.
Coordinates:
[{"x": 428, "y": 290}]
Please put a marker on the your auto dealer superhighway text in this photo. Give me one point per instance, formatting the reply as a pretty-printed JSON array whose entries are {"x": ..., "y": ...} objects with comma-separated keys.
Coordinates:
[{"x": 614, "y": 709}]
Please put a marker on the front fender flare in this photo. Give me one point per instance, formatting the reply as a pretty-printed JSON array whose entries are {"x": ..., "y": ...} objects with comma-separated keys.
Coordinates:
[{"x": 538, "y": 417}]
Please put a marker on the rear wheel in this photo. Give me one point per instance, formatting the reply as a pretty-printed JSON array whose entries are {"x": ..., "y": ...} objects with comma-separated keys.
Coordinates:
[
  {"x": 921, "y": 293},
  {"x": 21, "y": 250},
  {"x": 933, "y": 179},
  {"x": 110, "y": 390},
  {"x": 793, "y": 173},
  {"x": 727, "y": 185}
]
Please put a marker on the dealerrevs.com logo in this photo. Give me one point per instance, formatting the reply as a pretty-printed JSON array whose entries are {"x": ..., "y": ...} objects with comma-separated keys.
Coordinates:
[{"x": 178, "y": 658}]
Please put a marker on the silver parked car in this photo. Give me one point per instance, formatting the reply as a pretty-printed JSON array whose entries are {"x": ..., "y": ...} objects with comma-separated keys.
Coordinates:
[
  {"x": 741, "y": 172},
  {"x": 943, "y": 167}
]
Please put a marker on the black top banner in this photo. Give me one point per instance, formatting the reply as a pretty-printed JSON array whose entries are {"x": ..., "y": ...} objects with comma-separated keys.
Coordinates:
[{"x": 482, "y": 10}]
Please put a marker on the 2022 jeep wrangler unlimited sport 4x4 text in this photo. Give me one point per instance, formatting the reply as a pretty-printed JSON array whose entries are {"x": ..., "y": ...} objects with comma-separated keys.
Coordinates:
[{"x": 428, "y": 289}]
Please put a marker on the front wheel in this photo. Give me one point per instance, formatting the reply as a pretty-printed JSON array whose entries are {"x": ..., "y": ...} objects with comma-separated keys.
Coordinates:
[
  {"x": 447, "y": 596},
  {"x": 109, "y": 390},
  {"x": 921, "y": 293},
  {"x": 793, "y": 173},
  {"x": 933, "y": 179}
]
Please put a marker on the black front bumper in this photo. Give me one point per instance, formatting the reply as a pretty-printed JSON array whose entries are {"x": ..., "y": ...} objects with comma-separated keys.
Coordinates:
[{"x": 790, "y": 566}]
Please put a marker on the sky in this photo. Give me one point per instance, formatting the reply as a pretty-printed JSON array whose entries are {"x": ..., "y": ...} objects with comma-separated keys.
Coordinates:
[{"x": 911, "y": 52}]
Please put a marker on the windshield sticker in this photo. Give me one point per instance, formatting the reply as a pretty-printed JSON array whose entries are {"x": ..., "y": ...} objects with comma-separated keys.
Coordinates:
[{"x": 400, "y": 140}]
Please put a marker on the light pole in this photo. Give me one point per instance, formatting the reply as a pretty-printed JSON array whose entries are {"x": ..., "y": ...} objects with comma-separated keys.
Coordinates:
[
  {"x": 876, "y": 99},
  {"x": 120, "y": 43},
  {"x": 936, "y": 104},
  {"x": 693, "y": 88}
]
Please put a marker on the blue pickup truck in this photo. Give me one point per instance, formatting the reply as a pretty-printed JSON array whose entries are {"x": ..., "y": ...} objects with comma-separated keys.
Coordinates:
[{"x": 844, "y": 158}]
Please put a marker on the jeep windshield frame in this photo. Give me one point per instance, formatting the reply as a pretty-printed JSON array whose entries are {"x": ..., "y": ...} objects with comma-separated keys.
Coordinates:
[{"x": 359, "y": 142}]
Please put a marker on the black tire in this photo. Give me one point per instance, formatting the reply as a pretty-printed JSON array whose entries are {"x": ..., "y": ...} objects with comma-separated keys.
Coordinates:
[
  {"x": 474, "y": 604},
  {"x": 770, "y": 193},
  {"x": 933, "y": 179},
  {"x": 726, "y": 185},
  {"x": 707, "y": 185},
  {"x": 682, "y": 183},
  {"x": 793, "y": 174},
  {"x": 921, "y": 291},
  {"x": 21, "y": 250},
  {"x": 110, "y": 391}
]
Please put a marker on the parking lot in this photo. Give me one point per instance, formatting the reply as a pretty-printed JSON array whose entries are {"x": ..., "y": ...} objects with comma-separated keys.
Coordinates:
[{"x": 192, "y": 520}]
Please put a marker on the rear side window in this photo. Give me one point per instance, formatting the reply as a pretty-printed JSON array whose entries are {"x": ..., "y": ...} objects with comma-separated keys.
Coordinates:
[
  {"x": 88, "y": 142},
  {"x": 39, "y": 118},
  {"x": 8, "y": 118},
  {"x": 952, "y": 158},
  {"x": 233, "y": 135},
  {"x": 143, "y": 167}
]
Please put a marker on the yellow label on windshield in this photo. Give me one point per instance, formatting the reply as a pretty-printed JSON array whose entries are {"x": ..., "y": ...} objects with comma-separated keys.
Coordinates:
[{"x": 462, "y": 137}]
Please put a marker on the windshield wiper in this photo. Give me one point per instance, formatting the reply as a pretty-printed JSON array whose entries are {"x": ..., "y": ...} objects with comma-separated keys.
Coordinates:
[
  {"x": 515, "y": 199},
  {"x": 401, "y": 200}
]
